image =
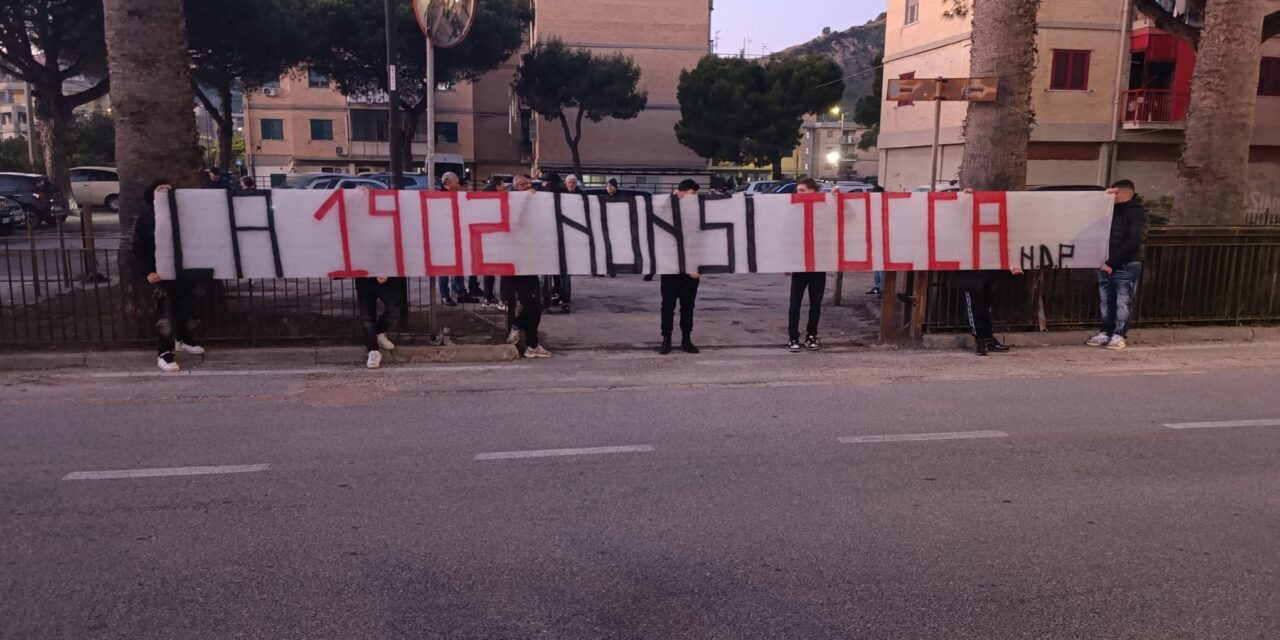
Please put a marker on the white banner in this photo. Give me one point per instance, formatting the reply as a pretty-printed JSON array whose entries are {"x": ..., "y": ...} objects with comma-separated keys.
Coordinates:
[{"x": 313, "y": 233}]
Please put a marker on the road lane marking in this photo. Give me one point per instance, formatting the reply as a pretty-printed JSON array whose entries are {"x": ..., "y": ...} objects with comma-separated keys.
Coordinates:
[
  {"x": 917, "y": 437},
  {"x": 156, "y": 473},
  {"x": 1218, "y": 425},
  {"x": 550, "y": 453}
]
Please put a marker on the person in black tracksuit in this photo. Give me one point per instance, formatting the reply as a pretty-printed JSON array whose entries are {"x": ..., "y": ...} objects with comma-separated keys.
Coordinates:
[
  {"x": 177, "y": 303},
  {"x": 815, "y": 284},
  {"x": 682, "y": 288},
  {"x": 980, "y": 289}
]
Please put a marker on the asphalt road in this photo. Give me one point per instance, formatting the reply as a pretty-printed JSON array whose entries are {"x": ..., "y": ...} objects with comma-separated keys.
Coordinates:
[{"x": 422, "y": 502}]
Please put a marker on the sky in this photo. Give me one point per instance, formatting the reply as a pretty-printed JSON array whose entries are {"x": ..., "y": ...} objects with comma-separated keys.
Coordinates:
[{"x": 776, "y": 24}]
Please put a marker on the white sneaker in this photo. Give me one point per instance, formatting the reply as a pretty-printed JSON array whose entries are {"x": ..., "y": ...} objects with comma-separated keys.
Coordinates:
[
  {"x": 515, "y": 336},
  {"x": 385, "y": 342},
  {"x": 166, "y": 363},
  {"x": 192, "y": 349},
  {"x": 1117, "y": 343},
  {"x": 375, "y": 360},
  {"x": 537, "y": 352},
  {"x": 1098, "y": 340}
]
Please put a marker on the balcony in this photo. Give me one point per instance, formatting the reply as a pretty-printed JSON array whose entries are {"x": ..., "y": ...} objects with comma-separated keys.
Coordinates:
[{"x": 1155, "y": 109}]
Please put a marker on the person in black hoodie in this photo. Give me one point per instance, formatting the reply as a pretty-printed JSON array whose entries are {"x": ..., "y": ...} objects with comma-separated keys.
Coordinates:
[
  {"x": 1119, "y": 276},
  {"x": 981, "y": 289},
  {"x": 177, "y": 302},
  {"x": 682, "y": 288}
]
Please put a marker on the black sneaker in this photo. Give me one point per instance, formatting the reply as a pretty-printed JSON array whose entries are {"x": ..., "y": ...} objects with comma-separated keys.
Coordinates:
[
  {"x": 980, "y": 347},
  {"x": 994, "y": 346},
  {"x": 687, "y": 346},
  {"x": 665, "y": 348},
  {"x": 448, "y": 302},
  {"x": 648, "y": 277},
  {"x": 811, "y": 343},
  {"x": 794, "y": 346}
]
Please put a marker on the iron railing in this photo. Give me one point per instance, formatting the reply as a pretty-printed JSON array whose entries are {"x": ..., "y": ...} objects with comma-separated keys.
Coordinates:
[
  {"x": 45, "y": 301},
  {"x": 1191, "y": 275},
  {"x": 1155, "y": 106}
]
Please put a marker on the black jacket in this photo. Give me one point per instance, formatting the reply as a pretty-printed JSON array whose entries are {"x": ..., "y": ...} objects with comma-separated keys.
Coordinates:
[
  {"x": 1128, "y": 234},
  {"x": 144, "y": 231}
]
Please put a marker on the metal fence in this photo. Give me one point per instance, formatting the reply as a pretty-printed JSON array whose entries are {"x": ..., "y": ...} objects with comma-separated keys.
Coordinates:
[
  {"x": 1191, "y": 275},
  {"x": 45, "y": 301}
]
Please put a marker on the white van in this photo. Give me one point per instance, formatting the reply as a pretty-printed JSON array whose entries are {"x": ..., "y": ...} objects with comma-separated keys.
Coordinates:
[{"x": 96, "y": 187}]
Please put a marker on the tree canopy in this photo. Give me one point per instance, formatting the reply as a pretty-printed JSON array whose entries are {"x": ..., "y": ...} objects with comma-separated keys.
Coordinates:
[
  {"x": 553, "y": 78},
  {"x": 741, "y": 111}
]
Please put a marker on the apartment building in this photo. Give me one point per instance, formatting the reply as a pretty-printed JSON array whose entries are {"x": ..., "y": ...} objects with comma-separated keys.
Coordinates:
[
  {"x": 829, "y": 150},
  {"x": 15, "y": 121},
  {"x": 302, "y": 123},
  {"x": 1110, "y": 98}
]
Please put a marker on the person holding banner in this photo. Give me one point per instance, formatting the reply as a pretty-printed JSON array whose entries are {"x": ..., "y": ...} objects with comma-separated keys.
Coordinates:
[
  {"x": 682, "y": 288},
  {"x": 527, "y": 291},
  {"x": 374, "y": 327},
  {"x": 451, "y": 182},
  {"x": 177, "y": 302},
  {"x": 981, "y": 290},
  {"x": 815, "y": 283},
  {"x": 1119, "y": 276}
]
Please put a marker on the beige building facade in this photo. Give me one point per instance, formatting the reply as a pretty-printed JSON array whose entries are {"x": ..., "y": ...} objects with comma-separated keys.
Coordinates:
[
  {"x": 1109, "y": 98},
  {"x": 303, "y": 124},
  {"x": 829, "y": 151}
]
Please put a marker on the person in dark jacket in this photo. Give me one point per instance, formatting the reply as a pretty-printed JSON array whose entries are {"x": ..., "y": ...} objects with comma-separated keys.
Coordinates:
[
  {"x": 682, "y": 288},
  {"x": 177, "y": 302},
  {"x": 373, "y": 326},
  {"x": 1119, "y": 276},
  {"x": 216, "y": 179},
  {"x": 526, "y": 290}
]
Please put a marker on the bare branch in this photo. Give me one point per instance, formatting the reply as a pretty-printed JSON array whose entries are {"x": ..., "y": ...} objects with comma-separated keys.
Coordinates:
[{"x": 89, "y": 95}]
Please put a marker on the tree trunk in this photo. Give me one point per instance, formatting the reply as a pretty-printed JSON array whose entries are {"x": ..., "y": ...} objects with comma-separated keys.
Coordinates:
[
  {"x": 572, "y": 139},
  {"x": 1213, "y": 172},
  {"x": 150, "y": 67},
  {"x": 777, "y": 168},
  {"x": 54, "y": 120},
  {"x": 996, "y": 134},
  {"x": 226, "y": 127},
  {"x": 409, "y": 127},
  {"x": 155, "y": 124}
]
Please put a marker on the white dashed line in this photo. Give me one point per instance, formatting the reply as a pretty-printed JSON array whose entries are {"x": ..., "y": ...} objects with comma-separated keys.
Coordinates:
[
  {"x": 157, "y": 473},
  {"x": 1218, "y": 425},
  {"x": 917, "y": 437},
  {"x": 549, "y": 453}
]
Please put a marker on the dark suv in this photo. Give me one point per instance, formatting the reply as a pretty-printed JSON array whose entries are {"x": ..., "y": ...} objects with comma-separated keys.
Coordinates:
[{"x": 35, "y": 193}]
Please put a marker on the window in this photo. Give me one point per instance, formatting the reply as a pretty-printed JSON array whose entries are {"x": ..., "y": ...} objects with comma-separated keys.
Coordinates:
[
  {"x": 316, "y": 80},
  {"x": 912, "y": 13},
  {"x": 321, "y": 129},
  {"x": 369, "y": 125},
  {"x": 446, "y": 132},
  {"x": 830, "y": 134},
  {"x": 6, "y": 118},
  {"x": 272, "y": 129},
  {"x": 910, "y": 75},
  {"x": 1070, "y": 70},
  {"x": 1269, "y": 79}
]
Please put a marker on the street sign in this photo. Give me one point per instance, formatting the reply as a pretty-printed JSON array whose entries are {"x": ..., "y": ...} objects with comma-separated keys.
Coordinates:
[
  {"x": 445, "y": 22},
  {"x": 930, "y": 89}
]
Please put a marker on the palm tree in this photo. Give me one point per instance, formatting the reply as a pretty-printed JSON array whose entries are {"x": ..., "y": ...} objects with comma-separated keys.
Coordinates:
[
  {"x": 1213, "y": 172},
  {"x": 997, "y": 133},
  {"x": 150, "y": 67}
]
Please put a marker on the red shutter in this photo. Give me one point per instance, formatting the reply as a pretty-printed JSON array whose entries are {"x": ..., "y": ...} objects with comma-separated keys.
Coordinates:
[
  {"x": 1269, "y": 77},
  {"x": 1070, "y": 70}
]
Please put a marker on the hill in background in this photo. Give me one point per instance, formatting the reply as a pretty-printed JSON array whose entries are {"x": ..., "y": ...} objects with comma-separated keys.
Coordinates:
[{"x": 853, "y": 49}]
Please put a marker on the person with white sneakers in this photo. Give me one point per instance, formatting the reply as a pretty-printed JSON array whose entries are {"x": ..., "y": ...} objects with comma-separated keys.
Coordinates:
[
  {"x": 177, "y": 302},
  {"x": 374, "y": 326},
  {"x": 1119, "y": 276},
  {"x": 527, "y": 290}
]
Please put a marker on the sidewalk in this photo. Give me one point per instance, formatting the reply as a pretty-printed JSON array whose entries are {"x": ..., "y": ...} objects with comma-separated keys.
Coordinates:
[{"x": 737, "y": 311}]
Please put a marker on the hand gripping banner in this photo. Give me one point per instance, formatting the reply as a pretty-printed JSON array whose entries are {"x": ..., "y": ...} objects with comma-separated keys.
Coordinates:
[{"x": 299, "y": 233}]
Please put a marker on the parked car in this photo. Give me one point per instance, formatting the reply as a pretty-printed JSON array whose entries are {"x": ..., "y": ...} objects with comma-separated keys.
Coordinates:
[
  {"x": 410, "y": 181},
  {"x": 1067, "y": 187},
  {"x": 11, "y": 216},
  {"x": 854, "y": 187},
  {"x": 38, "y": 196},
  {"x": 335, "y": 181},
  {"x": 761, "y": 186},
  {"x": 785, "y": 187},
  {"x": 96, "y": 187},
  {"x": 942, "y": 186},
  {"x": 304, "y": 180}
]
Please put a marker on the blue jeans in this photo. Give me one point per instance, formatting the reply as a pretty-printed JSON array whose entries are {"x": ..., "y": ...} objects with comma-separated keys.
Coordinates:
[
  {"x": 456, "y": 283},
  {"x": 1118, "y": 290}
]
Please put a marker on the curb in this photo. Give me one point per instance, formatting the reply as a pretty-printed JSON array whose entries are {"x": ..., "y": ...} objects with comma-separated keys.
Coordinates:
[
  {"x": 353, "y": 356},
  {"x": 1146, "y": 337}
]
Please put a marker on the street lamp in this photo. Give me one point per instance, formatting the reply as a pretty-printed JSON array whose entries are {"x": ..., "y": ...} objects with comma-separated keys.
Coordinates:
[{"x": 833, "y": 158}]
